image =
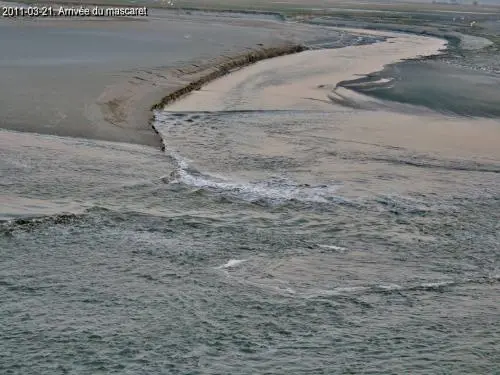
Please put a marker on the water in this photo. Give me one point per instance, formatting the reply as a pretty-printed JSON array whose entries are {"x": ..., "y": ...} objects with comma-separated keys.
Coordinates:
[
  {"x": 280, "y": 242},
  {"x": 448, "y": 87}
]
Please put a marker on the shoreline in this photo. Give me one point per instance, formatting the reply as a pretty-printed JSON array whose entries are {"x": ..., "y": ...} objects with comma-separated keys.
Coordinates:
[
  {"x": 209, "y": 74},
  {"x": 234, "y": 63},
  {"x": 205, "y": 75},
  {"x": 168, "y": 85},
  {"x": 201, "y": 75},
  {"x": 329, "y": 66},
  {"x": 197, "y": 75}
]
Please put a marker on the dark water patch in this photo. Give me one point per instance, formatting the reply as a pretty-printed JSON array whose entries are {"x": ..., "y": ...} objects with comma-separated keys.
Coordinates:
[
  {"x": 33, "y": 223},
  {"x": 435, "y": 85},
  {"x": 210, "y": 117},
  {"x": 107, "y": 218},
  {"x": 273, "y": 163},
  {"x": 411, "y": 207},
  {"x": 18, "y": 288}
]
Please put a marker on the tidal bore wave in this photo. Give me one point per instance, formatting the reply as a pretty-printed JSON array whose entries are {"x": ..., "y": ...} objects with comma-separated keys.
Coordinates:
[{"x": 273, "y": 191}]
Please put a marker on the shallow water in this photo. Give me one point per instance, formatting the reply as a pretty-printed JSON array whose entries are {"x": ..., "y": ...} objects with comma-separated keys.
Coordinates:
[
  {"x": 280, "y": 242},
  {"x": 447, "y": 87}
]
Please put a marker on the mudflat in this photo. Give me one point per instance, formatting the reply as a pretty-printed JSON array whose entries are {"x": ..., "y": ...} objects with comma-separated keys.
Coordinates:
[{"x": 98, "y": 77}]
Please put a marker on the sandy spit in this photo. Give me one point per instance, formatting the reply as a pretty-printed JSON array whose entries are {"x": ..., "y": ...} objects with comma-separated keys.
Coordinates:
[{"x": 316, "y": 72}]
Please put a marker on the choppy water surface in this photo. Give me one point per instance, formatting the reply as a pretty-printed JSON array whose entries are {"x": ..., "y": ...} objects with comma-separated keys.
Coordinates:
[{"x": 277, "y": 242}]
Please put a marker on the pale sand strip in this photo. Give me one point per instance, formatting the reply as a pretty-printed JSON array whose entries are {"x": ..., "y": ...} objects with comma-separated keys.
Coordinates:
[{"x": 310, "y": 75}]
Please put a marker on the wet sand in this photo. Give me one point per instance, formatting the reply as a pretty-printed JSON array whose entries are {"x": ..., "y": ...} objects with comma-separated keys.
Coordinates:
[{"x": 98, "y": 78}]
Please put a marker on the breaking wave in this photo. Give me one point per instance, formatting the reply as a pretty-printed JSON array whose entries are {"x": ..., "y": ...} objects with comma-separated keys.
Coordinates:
[{"x": 273, "y": 191}]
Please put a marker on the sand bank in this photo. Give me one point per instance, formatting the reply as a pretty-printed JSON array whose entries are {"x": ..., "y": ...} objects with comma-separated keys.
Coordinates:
[
  {"x": 98, "y": 78},
  {"x": 308, "y": 77}
]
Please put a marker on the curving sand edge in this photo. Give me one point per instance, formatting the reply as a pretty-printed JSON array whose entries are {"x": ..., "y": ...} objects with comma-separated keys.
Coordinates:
[{"x": 129, "y": 103}]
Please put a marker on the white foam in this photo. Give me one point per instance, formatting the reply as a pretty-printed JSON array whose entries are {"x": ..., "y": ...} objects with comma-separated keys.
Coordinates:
[
  {"x": 437, "y": 284},
  {"x": 333, "y": 247},
  {"x": 274, "y": 190},
  {"x": 233, "y": 263},
  {"x": 337, "y": 291},
  {"x": 378, "y": 82},
  {"x": 390, "y": 287},
  {"x": 279, "y": 190}
]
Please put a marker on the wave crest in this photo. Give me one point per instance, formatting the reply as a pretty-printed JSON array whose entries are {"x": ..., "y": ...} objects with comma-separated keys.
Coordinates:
[{"x": 273, "y": 191}]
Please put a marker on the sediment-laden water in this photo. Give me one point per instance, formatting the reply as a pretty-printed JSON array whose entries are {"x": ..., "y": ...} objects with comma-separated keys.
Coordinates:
[{"x": 261, "y": 241}]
